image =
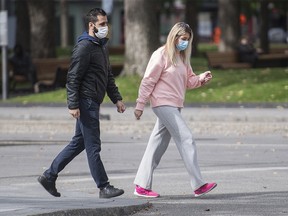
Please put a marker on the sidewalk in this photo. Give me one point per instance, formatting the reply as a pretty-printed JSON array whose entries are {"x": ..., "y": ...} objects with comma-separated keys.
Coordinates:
[
  {"x": 50, "y": 124},
  {"x": 31, "y": 136}
]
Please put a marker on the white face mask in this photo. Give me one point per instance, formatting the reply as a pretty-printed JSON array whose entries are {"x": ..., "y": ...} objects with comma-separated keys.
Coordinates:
[{"x": 102, "y": 32}]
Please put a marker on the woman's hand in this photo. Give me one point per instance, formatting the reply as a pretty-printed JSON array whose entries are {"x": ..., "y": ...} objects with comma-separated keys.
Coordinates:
[
  {"x": 138, "y": 114},
  {"x": 205, "y": 77}
]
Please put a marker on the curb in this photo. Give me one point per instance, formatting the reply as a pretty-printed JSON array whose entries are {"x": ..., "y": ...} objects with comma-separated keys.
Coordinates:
[
  {"x": 199, "y": 105},
  {"x": 113, "y": 211}
]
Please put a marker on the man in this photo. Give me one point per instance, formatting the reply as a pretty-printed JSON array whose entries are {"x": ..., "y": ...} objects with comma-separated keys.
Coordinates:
[
  {"x": 247, "y": 52},
  {"x": 89, "y": 78}
]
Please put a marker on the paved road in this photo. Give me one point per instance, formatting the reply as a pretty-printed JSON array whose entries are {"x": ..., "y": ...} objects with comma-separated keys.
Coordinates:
[{"x": 243, "y": 149}]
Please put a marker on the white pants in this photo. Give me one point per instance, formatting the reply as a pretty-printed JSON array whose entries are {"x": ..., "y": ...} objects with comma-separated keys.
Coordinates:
[{"x": 169, "y": 123}]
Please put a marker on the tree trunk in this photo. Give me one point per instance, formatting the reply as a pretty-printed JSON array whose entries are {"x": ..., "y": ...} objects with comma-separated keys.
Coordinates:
[
  {"x": 228, "y": 17},
  {"x": 42, "y": 23},
  {"x": 23, "y": 25},
  {"x": 64, "y": 23},
  {"x": 141, "y": 34},
  {"x": 191, "y": 17},
  {"x": 264, "y": 42}
]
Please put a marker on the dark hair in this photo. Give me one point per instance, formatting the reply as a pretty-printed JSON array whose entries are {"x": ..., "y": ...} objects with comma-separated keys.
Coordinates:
[
  {"x": 91, "y": 16},
  {"x": 186, "y": 28}
]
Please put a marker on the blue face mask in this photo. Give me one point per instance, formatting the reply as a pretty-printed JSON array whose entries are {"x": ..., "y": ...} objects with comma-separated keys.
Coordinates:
[{"x": 182, "y": 45}]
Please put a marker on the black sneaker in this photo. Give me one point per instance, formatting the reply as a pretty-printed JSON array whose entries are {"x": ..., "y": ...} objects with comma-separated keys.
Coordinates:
[
  {"x": 109, "y": 191},
  {"x": 49, "y": 186}
]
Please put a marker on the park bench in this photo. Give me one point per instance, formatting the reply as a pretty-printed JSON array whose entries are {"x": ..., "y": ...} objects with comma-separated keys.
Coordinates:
[
  {"x": 278, "y": 57},
  {"x": 116, "y": 50},
  {"x": 46, "y": 70},
  {"x": 225, "y": 60},
  {"x": 51, "y": 73},
  {"x": 14, "y": 79},
  {"x": 278, "y": 50}
]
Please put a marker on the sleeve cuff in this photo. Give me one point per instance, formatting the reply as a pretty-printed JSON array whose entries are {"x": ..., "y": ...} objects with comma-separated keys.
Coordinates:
[{"x": 140, "y": 106}]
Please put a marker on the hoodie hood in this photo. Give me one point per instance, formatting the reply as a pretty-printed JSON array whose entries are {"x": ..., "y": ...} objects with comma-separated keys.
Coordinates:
[{"x": 86, "y": 36}]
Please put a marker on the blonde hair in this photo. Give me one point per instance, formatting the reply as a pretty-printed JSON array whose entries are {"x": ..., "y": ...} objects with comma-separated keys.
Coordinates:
[{"x": 178, "y": 30}]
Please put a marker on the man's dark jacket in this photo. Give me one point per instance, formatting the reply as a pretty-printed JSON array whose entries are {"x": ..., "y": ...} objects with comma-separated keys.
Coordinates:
[{"x": 90, "y": 75}]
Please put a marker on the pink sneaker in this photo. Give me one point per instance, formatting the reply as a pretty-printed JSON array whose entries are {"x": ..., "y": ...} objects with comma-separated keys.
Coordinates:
[
  {"x": 204, "y": 189},
  {"x": 142, "y": 192}
]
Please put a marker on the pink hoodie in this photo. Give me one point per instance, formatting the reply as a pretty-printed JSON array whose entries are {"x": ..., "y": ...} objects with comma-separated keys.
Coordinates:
[{"x": 164, "y": 83}]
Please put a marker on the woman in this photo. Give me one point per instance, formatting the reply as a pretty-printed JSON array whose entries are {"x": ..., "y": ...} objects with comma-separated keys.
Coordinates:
[{"x": 167, "y": 76}]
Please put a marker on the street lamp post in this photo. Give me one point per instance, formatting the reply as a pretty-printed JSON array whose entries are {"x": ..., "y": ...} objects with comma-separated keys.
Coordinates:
[{"x": 4, "y": 43}]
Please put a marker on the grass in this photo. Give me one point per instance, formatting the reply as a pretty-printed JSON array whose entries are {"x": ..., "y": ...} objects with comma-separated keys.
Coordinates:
[
  {"x": 229, "y": 86},
  {"x": 244, "y": 86},
  {"x": 261, "y": 85}
]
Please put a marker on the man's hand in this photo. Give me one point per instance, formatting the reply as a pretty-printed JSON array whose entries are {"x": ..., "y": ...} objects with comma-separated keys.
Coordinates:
[
  {"x": 75, "y": 113},
  {"x": 138, "y": 114},
  {"x": 120, "y": 106}
]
